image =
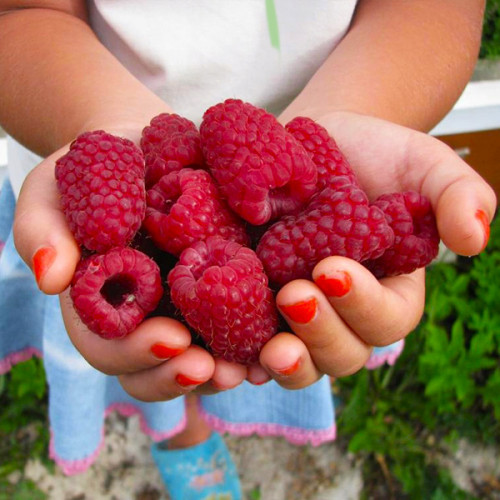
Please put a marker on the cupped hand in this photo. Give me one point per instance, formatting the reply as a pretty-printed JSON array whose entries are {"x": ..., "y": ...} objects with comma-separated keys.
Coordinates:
[
  {"x": 343, "y": 312},
  {"x": 157, "y": 360}
]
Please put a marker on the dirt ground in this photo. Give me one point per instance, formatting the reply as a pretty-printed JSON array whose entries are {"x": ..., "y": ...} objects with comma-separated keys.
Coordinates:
[
  {"x": 279, "y": 471},
  {"x": 270, "y": 469}
]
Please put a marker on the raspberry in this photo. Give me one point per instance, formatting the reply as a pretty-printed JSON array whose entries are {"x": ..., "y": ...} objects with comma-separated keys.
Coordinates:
[
  {"x": 174, "y": 153},
  {"x": 113, "y": 292},
  {"x": 101, "y": 182},
  {"x": 261, "y": 169},
  {"x": 169, "y": 143},
  {"x": 162, "y": 127},
  {"x": 222, "y": 291},
  {"x": 184, "y": 207},
  {"x": 326, "y": 155},
  {"x": 336, "y": 222},
  {"x": 416, "y": 241}
]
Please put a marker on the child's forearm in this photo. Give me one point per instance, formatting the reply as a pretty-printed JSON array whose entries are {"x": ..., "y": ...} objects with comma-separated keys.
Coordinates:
[
  {"x": 404, "y": 61},
  {"x": 57, "y": 80}
]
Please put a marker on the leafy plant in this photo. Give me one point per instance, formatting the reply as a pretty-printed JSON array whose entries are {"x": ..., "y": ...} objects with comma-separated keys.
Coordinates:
[
  {"x": 24, "y": 430},
  {"x": 445, "y": 386},
  {"x": 490, "y": 44}
]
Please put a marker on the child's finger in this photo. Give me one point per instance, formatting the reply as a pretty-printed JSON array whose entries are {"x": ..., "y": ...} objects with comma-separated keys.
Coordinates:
[
  {"x": 334, "y": 347},
  {"x": 464, "y": 212},
  {"x": 41, "y": 234},
  {"x": 153, "y": 342},
  {"x": 379, "y": 312},
  {"x": 286, "y": 358},
  {"x": 171, "y": 379},
  {"x": 226, "y": 376},
  {"x": 463, "y": 202}
]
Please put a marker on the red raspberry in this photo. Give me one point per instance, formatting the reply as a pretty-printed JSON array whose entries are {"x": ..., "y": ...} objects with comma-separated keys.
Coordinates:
[
  {"x": 174, "y": 153},
  {"x": 184, "y": 207},
  {"x": 261, "y": 169},
  {"x": 162, "y": 127},
  {"x": 336, "y": 222},
  {"x": 222, "y": 291},
  {"x": 101, "y": 181},
  {"x": 169, "y": 143},
  {"x": 416, "y": 241},
  {"x": 326, "y": 155},
  {"x": 113, "y": 292}
]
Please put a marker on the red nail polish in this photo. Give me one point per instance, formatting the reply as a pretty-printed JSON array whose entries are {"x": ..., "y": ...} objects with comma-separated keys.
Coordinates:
[
  {"x": 42, "y": 260},
  {"x": 289, "y": 370},
  {"x": 483, "y": 219},
  {"x": 185, "y": 381},
  {"x": 301, "y": 312},
  {"x": 261, "y": 382},
  {"x": 335, "y": 285},
  {"x": 162, "y": 351}
]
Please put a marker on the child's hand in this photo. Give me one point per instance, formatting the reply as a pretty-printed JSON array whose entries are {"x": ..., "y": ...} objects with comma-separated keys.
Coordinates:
[
  {"x": 154, "y": 362},
  {"x": 344, "y": 311}
]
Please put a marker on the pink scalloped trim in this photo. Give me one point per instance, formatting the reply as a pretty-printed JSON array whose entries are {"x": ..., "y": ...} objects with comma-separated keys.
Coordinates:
[
  {"x": 129, "y": 410},
  {"x": 18, "y": 357},
  {"x": 72, "y": 467},
  {"x": 388, "y": 357},
  {"x": 293, "y": 435}
]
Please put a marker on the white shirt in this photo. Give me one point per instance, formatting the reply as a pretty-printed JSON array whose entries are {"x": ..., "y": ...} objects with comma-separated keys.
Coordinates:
[{"x": 196, "y": 53}]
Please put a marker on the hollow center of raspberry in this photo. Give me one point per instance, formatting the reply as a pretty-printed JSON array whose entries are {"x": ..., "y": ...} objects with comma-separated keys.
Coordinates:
[
  {"x": 282, "y": 200},
  {"x": 168, "y": 204},
  {"x": 119, "y": 289}
]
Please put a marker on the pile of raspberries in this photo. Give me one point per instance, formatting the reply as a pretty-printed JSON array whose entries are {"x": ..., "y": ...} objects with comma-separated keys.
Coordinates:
[{"x": 206, "y": 224}]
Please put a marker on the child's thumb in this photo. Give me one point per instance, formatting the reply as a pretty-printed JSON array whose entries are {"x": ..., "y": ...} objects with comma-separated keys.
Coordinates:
[{"x": 41, "y": 234}]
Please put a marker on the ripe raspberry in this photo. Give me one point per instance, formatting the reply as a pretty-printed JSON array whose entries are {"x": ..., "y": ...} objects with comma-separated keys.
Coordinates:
[
  {"x": 326, "y": 155},
  {"x": 336, "y": 222},
  {"x": 113, "y": 292},
  {"x": 184, "y": 207},
  {"x": 174, "y": 153},
  {"x": 164, "y": 126},
  {"x": 416, "y": 241},
  {"x": 169, "y": 143},
  {"x": 222, "y": 291},
  {"x": 101, "y": 181},
  {"x": 261, "y": 169}
]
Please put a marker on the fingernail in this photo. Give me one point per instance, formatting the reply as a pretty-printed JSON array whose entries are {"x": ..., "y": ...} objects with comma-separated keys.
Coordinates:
[
  {"x": 42, "y": 260},
  {"x": 483, "y": 219},
  {"x": 261, "y": 382},
  {"x": 162, "y": 351},
  {"x": 220, "y": 387},
  {"x": 289, "y": 370},
  {"x": 336, "y": 284},
  {"x": 301, "y": 312},
  {"x": 186, "y": 381}
]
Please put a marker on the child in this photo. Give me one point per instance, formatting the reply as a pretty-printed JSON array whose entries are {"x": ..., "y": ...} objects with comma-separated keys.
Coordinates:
[{"x": 373, "y": 73}]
